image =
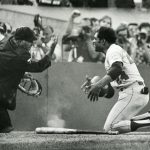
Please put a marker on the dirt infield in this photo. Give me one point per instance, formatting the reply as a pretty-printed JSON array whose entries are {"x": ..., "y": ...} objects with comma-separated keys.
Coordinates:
[{"x": 32, "y": 141}]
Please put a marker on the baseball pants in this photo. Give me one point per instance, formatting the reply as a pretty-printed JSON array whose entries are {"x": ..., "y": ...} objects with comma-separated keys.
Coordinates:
[{"x": 130, "y": 103}]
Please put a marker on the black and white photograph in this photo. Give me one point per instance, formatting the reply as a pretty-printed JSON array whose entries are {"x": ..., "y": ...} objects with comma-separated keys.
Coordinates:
[{"x": 74, "y": 74}]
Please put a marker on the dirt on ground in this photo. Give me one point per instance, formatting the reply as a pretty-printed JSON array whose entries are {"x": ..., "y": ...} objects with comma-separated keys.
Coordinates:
[{"x": 32, "y": 141}]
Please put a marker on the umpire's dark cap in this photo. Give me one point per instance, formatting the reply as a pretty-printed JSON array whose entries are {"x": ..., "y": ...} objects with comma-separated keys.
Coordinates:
[
  {"x": 25, "y": 33},
  {"x": 108, "y": 34}
]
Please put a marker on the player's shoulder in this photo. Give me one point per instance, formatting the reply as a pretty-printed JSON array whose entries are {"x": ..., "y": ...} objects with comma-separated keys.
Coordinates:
[{"x": 114, "y": 48}]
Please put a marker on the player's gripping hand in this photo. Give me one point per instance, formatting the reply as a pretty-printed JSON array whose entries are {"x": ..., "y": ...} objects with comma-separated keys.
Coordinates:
[
  {"x": 86, "y": 85},
  {"x": 94, "y": 92},
  {"x": 97, "y": 90},
  {"x": 89, "y": 83}
]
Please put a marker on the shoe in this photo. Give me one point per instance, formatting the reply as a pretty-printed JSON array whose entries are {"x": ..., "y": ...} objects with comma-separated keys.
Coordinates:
[{"x": 6, "y": 129}]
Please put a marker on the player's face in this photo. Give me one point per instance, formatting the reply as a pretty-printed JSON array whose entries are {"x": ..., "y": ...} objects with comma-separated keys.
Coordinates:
[{"x": 99, "y": 45}]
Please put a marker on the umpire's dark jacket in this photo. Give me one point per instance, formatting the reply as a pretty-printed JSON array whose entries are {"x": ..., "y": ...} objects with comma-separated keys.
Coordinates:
[{"x": 13, "y": 65}]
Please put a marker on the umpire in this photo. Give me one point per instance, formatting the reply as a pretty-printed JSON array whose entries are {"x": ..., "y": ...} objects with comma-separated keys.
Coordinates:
[{"x": 14, "y": 56}]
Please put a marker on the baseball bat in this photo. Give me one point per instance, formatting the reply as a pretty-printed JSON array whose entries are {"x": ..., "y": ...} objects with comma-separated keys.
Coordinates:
[{"x": 51, "y": 130}]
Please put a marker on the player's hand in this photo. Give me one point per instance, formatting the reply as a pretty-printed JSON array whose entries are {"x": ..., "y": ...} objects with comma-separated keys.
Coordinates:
[
  {"x": 94, "y": 93},
  {"x": 86, "y": 85}
]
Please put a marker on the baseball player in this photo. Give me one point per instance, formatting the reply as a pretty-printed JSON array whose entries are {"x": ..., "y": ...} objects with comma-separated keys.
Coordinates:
[{"x": 123, "y": 74}]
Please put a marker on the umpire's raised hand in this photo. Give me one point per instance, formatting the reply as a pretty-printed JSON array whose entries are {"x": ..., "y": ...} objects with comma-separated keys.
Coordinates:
[{"x": 50, "y": 51}]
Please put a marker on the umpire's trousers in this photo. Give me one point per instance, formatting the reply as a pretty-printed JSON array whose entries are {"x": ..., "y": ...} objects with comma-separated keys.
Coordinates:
[
  {"x": 7, "y": 102},
  {"x": 4, "y": 118}
]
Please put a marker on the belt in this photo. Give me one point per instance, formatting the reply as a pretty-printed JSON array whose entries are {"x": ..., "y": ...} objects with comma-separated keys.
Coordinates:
[{"x": 139, "y": 82}]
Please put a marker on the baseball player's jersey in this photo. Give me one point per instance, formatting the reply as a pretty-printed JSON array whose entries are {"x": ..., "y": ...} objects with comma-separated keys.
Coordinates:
[{"x": 130, "y": 73}]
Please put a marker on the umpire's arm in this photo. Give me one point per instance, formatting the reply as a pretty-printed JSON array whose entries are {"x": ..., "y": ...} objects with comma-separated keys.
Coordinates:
[
  {"x": 21, "y": 63},
  {"x": 39, "y": 66},
  {"x": 43, "y": 63}
]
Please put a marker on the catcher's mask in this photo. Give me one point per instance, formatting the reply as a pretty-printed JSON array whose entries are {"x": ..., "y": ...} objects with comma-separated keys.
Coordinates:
[{"x": 30, "y": 86}]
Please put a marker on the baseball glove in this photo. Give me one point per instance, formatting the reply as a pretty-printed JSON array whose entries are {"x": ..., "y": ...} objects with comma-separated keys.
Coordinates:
[
  {"x": 110, "y": 91},
  {"x": 30, "y": 86},
  {"x": 107, "y": 91}
]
